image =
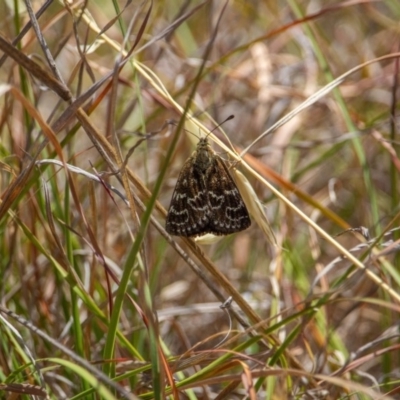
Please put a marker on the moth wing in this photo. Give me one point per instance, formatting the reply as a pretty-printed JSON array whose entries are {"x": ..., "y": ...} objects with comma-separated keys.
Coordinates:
[
  {"x": 189, "y": 211},
  {"x": 228, "y": 210}
]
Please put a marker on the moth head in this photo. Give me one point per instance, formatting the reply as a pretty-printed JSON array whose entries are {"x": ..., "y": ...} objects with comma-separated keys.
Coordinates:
[{"x": 203, "y": 154}]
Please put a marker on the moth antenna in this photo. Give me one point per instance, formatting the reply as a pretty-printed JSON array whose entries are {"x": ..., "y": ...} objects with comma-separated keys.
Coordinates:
[{"x": 225, "y": 120}]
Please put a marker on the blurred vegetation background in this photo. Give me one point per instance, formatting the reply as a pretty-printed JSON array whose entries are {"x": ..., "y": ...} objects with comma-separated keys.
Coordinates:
[{"x": 97, "y": 301}]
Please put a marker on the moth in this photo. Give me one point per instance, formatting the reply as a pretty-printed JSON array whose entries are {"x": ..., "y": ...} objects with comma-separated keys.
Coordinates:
[{"x": 206, "y": 198}]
